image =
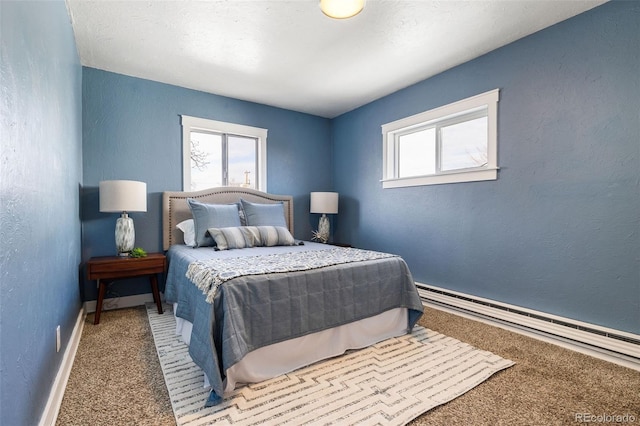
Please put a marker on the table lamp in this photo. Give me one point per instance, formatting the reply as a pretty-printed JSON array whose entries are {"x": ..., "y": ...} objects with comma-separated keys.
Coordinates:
[
  {"x": 325, "y": 203},
  {"x": 122, "y": 196}
]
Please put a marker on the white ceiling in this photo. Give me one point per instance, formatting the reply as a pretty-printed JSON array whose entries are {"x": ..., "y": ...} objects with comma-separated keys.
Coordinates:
[{"x": 290, "y": 55}]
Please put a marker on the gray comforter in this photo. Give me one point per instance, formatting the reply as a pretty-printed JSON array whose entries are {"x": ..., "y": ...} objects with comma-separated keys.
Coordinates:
[{"x": 252, "y": 311}]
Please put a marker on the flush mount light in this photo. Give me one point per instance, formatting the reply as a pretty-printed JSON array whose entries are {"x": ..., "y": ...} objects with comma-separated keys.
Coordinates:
[{"x": 341, "y": 9}]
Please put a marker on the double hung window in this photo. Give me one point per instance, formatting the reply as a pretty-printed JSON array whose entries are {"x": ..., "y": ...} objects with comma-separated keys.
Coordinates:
[{"x": 454, "y": 143}]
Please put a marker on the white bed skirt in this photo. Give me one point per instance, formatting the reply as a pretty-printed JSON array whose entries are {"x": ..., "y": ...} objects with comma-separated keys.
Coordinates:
[{"x": 280, "y": 358}]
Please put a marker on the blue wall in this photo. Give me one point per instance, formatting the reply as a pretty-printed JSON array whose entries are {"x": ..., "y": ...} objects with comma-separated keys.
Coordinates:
[
  {"x": 559, "y": 231},
  {"x": 40, "y": 176},
  {"x": 131, "y": 130}
]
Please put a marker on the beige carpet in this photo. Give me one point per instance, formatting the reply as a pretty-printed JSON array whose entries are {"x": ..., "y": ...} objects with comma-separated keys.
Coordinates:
[
  {"x": 389, "y": 383},
  {"x": 117, "y": 380}
]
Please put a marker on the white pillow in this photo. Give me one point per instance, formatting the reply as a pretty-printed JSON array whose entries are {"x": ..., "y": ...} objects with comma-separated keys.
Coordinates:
[{"x": 188, "y": 231}]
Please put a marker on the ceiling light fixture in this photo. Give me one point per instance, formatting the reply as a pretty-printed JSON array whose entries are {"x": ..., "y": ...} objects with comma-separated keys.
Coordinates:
[{"x": 341, "y": 9}]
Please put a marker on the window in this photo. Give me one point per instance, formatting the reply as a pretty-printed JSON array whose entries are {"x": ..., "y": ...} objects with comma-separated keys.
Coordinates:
[
  {"x": 453, "y": 143},
  {"x": 216, "y": 153}
]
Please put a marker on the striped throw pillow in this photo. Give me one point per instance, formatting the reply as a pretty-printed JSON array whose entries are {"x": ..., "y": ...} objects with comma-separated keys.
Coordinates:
[{"x": 239, "y": 237}]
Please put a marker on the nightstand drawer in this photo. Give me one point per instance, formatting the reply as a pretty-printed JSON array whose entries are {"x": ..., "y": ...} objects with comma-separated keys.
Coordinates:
[{"x": 124, "y": 267}]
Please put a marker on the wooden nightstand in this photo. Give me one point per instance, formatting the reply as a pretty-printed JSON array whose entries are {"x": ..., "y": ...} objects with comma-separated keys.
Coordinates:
[{"x": 111, "y": 268}]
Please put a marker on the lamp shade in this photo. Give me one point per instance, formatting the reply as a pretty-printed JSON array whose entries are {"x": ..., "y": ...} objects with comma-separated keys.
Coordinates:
[
  {"x": 324, "y": 202},
  {"x": 123, "y": 196},
  {"x": 341, "y": 9}
]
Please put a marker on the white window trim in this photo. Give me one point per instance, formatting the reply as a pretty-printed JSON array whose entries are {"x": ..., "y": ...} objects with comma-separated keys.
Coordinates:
[
  {"x": 203, "y": 124},
  {"x": 487, "y": 100}
]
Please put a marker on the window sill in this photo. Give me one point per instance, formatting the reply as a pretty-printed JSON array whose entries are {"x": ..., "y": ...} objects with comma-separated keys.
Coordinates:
[{"x": 455, "y": 177}]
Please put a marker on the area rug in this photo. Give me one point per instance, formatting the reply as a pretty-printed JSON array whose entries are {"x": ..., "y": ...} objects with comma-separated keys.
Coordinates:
[{"x": 389, "y": 383}]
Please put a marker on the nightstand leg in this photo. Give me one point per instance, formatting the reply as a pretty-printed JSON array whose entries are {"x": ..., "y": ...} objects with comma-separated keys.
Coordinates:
[
  {"x": 156, "y": 293},
  {"x": 101, "y": 289}
]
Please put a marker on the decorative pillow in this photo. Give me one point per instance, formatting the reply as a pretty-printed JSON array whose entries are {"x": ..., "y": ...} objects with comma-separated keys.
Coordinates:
[
  {"x": 275, "y": 236},
  {"x": 234, "y": 237},
  {"x": 263, "y": 214},
  {"x": 188, "y": 232},
  {"x": 207, "y": 216},
  {"x": 251, "y": 236}
]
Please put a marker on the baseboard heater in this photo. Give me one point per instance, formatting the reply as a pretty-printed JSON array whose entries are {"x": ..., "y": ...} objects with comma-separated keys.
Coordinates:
[{"x": 612, "y": 345}]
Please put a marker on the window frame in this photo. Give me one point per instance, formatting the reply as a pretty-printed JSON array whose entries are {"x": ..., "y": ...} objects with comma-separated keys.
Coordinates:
[
  {"x": 205, "y": 125},
  {"x": 442, "y": 116}
]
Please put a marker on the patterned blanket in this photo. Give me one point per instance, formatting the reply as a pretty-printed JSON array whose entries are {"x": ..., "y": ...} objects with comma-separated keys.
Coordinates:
[{"x": 209, "y": 275}]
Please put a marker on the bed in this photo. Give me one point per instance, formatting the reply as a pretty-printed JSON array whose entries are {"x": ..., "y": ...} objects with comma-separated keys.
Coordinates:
[{"x": 253, "y": 302}]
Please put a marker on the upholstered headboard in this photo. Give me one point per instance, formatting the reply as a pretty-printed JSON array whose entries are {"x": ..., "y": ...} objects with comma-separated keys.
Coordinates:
[{"x": 175, "y": 208}]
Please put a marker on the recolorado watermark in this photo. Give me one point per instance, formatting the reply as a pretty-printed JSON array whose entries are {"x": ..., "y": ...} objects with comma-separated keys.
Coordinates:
[{"x": 604, "y": 418}]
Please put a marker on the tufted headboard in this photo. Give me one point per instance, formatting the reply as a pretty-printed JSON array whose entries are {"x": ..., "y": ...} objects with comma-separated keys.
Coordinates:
[{"x": 175, "y": 208}]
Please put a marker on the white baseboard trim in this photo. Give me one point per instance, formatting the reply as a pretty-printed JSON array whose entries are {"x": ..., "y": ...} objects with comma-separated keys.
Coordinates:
[
  {"x": 120, "y": 302},
  {"x": 612, "y": 345},
  {"x": 51, "y": 410}
]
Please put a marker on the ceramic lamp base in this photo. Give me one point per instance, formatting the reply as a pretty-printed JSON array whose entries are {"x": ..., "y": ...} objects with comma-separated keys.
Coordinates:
[
  {"x": 323, "y": 229},
  {"x": 125, "y": 235}
]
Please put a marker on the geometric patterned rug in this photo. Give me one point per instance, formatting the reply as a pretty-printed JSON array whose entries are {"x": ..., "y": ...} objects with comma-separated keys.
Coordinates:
[{"x": 389, "y": 383}]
